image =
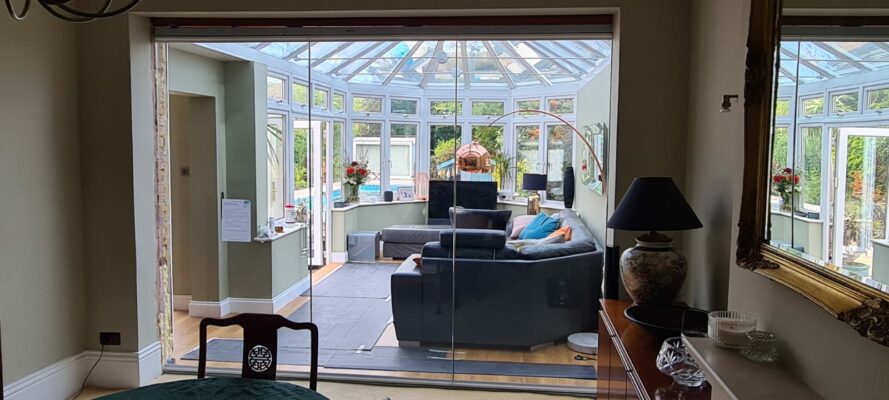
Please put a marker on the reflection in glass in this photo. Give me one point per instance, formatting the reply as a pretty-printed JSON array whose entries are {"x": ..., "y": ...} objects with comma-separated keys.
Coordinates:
[
  {"x": 367, "y": 148},
  {"x": 276, "y": 165},
  {"x": 443, "y": 140},
  {"x": 559, "y": 153}
]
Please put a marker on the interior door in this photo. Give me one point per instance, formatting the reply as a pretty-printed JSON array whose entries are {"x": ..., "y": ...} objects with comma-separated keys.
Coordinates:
[{"x": 861, "y": 200}]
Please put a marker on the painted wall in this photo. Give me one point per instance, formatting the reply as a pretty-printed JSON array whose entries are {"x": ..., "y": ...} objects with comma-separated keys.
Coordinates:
[
  {"x": 179, "y": 186},
  {"x": 42, "y": 307},
  {"x": 594, "y": 106},
  {"x": 373, "y": 217}
]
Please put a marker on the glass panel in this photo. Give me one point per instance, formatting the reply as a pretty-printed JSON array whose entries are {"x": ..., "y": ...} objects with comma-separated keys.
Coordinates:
[
  {"x": 527, "y": 153},
  {"x": 445, "y": 107},
  {"x": 495, "y": 108},
  {"x": 782, "y": 107},
  {"x": 402, "y": 154},
  {"x": 339, "y": 102},
  {"x": 809, "y": 169},
  {"x": 403, "y": 106},
  {"x": 491, "y": 138},
  {"x": 528, "y": 105},
  {"x": 814, "y": 106},
  {"x": 367, "y": 149},
  {"x": 320, "y": 101},
  {"x": 300, "y": 158},
  {"x": 300, "y": 93},
  {"x": 443, "y": 143},
  {"x": 367, "y": 104},
  {"x": 276, "y": 164},
  {"x": 339, "y": 151},
  {"x": 878, "y": 99},
  {"x": 845, "y": 103},
  {"x": 561, "y": 105},
  {"x": 559, "y": 146},
  {"x": 274, "y": 88}
]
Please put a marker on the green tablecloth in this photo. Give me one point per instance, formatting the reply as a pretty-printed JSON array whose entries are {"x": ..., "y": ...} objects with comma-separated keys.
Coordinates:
[{"x": 219, "y": 389}]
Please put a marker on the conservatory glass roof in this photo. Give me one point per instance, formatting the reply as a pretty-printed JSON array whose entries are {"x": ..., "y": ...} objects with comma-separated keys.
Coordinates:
[
  {"x": 431, "y": 63},
  {"x": 809, "y": 62}
]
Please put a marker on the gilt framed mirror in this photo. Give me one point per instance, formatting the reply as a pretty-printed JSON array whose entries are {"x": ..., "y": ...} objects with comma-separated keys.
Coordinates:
[{"x": 816, "y": 161}]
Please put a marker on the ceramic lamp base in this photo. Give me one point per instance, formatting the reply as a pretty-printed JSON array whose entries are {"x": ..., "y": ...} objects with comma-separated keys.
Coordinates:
[{"x": 652, "y": 271}]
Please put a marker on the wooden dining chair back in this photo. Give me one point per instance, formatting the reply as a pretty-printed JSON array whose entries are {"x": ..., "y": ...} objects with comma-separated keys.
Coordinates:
[{"x": 260, "y": 355}]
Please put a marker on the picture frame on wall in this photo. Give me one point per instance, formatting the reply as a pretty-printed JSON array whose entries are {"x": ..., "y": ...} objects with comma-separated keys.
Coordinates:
[{"x": 405, "y": 193}]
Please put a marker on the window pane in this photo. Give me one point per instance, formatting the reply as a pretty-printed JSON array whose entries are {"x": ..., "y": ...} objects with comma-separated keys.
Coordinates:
[
  {"x": 846, "y": 102},
  {"x": 338, "y": 156},
  {"x": 403, "y": 106},
  {"x": 810, "y": 168},
  {"x": 339, "y": 102},
  {"x": 367, "y": 104},
  {"x": 488, "y": 108},
  {"x": 528, "y": 105},
  {"x": 779, "y": 149},
  {"x": 527, "y": 151},
  {"x": 274, "y": 88},
  {"x": 443, "y": 141},
  {"x": 813, "y": 106},
  {"x": 444, "y": 107},
  {"x": 559, "y": 142},
  {"x": 300, "y": 94},
  {"x": 276, "y": 164},
  {"x": 782, "y": 107},
  {"x": 300, "y": 158},
  {"x": 403, "y": 154},
  {"x": 878, "y": 99},
  {"x": 561, "y": 105},
  {"x": 320, "y": 99},
  {"x": 367, "y": 148},
  {"x": 491, "y": 138}
]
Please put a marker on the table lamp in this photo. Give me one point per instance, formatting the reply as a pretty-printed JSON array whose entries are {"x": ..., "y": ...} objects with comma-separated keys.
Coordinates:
[
  {"x": 652, "y": 271},
  {"x": 534, "y": 183}
]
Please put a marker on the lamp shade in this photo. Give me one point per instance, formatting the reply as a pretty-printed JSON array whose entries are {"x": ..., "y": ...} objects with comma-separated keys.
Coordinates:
[
  {"x": 653, "y": 204},
  {"x": 534, "y": 182}
]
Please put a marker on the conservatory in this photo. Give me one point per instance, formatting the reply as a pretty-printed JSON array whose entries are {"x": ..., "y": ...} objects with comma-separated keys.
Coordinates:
[{"x": 830, "y": 156}]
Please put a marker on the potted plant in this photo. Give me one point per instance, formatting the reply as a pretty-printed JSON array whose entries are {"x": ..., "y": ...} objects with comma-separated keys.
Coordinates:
[
  {"x": 785, "y": 184},
  {"x": 302, "y": 212},
  {"x": 355, "y": 175}
]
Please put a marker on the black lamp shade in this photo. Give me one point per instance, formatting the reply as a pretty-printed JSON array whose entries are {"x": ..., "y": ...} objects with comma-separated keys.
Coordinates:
[
  {"x": 534, "y": 182},
  {"x": 653, "y": 204}
]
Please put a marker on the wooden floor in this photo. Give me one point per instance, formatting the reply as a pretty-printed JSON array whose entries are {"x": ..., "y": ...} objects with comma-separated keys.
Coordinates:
[{"x": 185, "y": 339}]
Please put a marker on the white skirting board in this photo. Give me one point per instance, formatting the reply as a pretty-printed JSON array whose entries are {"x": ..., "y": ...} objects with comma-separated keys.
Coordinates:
[
  {"x": 63, "y": 378},
  {"x": 211, "y": 309},
  {"x": 339, "y": 257},
  {"x": 180, "y": 302}
]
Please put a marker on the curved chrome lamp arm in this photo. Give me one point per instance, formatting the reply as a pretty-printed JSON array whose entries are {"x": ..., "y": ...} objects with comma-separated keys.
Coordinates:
[{"x": 579, "y": 134}]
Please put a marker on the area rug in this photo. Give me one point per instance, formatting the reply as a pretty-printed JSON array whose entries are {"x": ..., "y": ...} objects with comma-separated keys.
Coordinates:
[{"x": 369, "y": 281}]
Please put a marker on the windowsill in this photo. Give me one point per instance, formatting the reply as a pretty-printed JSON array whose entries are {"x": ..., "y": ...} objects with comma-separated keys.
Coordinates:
[
  {"x": 377, "y": 203},
  {"x": 288, "y": 229},
  {"x": 796, "y": 217},
  {"x": 554, "y": 205}
]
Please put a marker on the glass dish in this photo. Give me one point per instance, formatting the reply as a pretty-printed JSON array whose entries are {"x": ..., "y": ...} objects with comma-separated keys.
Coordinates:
[
  {"x": 729, "y": 328},
  {"x": 761, "y": 347},
  {"x": 673, "y": 360}
]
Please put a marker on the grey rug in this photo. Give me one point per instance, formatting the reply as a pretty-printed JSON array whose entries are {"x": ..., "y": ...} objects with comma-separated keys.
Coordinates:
[
  {"x": 344, "y": 323},
  {"x": 356, "y": 280},
  {"x": 384, "y": 358}
]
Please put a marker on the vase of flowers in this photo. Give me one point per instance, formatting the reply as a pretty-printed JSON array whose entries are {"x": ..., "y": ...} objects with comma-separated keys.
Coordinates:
[
  {"x": 355, "y": 176},
  {"x": 785, "y": 184}
]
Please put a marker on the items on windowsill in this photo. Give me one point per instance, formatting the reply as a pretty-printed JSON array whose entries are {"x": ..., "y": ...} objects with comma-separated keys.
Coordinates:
[
  {"x": 290, "y": 214},
  {"x": 279, "y": 228},
  {"x": 674, "y": 360},
  {"x": 533, "y": 184},
  {"x": 302, "y": 212},
  {"x": 786, "y": 185},
  {"x": 264, "y": 232},
  {"x": 729, "y": 328},
  {"x": 405, "y": 193},
  {"x": 355, "y": 175},
  {"x": 761, "y": 347},
  {"x": 387, "y": 196},
  {"x": 652, "y": 271}
]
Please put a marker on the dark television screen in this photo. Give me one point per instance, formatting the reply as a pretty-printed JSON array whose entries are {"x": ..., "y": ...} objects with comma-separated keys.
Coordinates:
[{"x": 481, "y": 195}]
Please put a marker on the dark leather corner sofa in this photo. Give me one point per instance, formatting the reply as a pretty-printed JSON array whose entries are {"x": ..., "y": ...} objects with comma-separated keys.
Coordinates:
[{"x": 501, "y": 295}]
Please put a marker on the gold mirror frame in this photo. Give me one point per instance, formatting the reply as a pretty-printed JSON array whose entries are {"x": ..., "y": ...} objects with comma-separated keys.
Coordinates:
[{"x": 863, "y": 308}]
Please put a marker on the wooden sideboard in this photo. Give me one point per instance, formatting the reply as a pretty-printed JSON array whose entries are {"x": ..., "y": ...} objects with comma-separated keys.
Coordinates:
[{"x": 626, "y": 362}]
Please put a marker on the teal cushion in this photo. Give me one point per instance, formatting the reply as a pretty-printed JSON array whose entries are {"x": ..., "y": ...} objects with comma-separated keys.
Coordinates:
[{"x": 540, "y": 227}]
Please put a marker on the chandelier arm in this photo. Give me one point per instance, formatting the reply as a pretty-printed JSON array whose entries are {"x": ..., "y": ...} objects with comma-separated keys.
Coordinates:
[
  {"x": 62, "y": 16},
  {"x": 579, "y": 134},
  {"x": 13, "y": 14},
  {"x": 102, "y": 13}
]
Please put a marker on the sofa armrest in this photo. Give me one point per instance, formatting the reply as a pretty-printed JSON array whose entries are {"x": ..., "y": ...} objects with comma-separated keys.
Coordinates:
[
  {"x": 475, "y": 238},
  {"x": 407, "y": 300}
]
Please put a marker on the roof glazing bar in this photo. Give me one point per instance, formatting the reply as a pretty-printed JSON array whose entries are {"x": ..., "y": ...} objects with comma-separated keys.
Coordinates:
[
  {"x": 465, "y": 62},
  {"x": 515, "y": 54},
  {"x": 296, "y": 51},
  {"x": 572, "y": 52},
  {"x": 357, "y": 57},
  {"x": 499, "y": 64},
  {"x": 401, "y": 63},
  {"x": 321, "y": 59},
  {"x": 824, "y": 73},
  {"x": 551, "y": 59},
  {"x": 427, "y": 70},
  {"x": 845, "y": 56},
  {"x": 371, "y": 61}
]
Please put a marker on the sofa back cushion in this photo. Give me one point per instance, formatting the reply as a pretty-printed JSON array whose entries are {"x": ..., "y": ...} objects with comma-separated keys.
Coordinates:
[
  {"x": 540, "y": 227},
  {"x": 471, "y": 218},
  {"x": 581, "y": 241},
  {"x": 519, "y": 224}
]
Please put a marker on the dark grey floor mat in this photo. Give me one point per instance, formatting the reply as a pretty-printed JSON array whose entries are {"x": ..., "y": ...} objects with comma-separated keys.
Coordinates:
[
  {"x": 344, "y": 323},
  {"x": 357, "y": 280},
  {"x": 397, "y": 359}
]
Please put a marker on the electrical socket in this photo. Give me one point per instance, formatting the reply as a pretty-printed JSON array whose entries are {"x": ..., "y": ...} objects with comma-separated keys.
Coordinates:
[{"x": 109, "y": 338}]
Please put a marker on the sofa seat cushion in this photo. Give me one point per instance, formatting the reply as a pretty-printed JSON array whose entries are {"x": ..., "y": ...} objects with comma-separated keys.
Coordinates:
[
  {"x": 473, "y": 238},
  {"x": 420, "y": 234},
  {"x": 581, "y": 241}
]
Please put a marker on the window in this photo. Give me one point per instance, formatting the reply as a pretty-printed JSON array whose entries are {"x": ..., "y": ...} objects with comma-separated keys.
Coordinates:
[
  {"x": 274, "y": 87},
  {"x": 300, "y": 93},
  {"x": 809, "y": 167},
  {"x": 403, "y": 106},
  {"x": 559, "y": 154},
  {"x": 495, "y": 108},
  {"x": 491, "y": 138},
  {"x": 445, "y": 107},
  {"x": 528, "y": 105},
  {"x": 339, "y": 102},
  {"x": 443, "y": 142},
  {"x": 367, "y": 104},
  {"x": 276, "y": 165},
  {"x": 845, "y": 102},
  {"x": 562, "y": 105},
  {"x": 339, "y": 152},
  {"x": 527, "y": 152},
  {"x": 301, "y": 157},
  {"x": 878, "y": 99},
  {"x": 367, "y": 147},
  {"x": 321, "y": 97},
  {"x": 779, "y": 149},
  {"x": 402, "y": 153},
  {"x": 782, "y": 107},
  {"x": 813, "y": 106}
]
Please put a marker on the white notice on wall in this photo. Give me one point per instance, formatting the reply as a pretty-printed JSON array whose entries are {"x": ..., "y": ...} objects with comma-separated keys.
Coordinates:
[{"x": 236, "y": 224}]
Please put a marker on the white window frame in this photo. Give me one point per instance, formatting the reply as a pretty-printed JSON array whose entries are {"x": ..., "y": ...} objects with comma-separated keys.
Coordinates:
[
  {"x": 824, "y": 109},
  {"x": 416, "y": 100},
  {"x": 345, "y": 105},
  {"x": 285, "y": 90},
  {"x": 567, "y": 96},
  {"x": 353, "y": 111},
  {"x": 473, "y": 100},
  {"x": 840, "y": 92},
  {"x": 327, "y": 98}
]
